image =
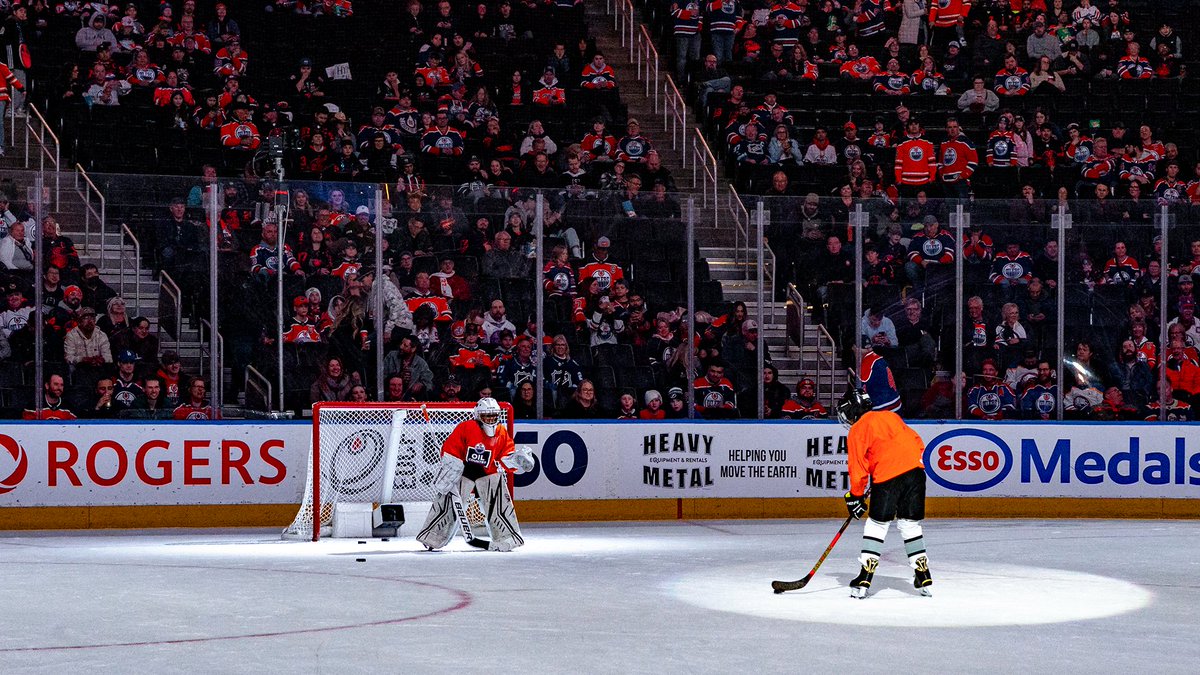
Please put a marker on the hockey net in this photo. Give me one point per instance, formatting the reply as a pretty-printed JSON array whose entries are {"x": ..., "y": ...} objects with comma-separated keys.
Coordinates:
[{"x": 377, "y": 453}]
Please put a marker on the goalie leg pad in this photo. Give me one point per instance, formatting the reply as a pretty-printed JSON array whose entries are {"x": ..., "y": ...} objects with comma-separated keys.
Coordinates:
[
  {"x": 442, "y": 523},
  {"x": 497, "y": 507},
  {"x": 874, "y": 534}
]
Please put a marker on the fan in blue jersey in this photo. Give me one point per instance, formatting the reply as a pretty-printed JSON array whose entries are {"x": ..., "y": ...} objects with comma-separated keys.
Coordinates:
[{"x": 876, "y": 379}]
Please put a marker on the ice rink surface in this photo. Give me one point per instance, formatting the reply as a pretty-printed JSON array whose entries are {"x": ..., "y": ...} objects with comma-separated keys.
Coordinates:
[{"x": 678, "y": 597}]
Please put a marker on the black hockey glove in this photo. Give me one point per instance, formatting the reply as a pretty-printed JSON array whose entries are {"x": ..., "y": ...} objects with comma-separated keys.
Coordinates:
[{"x": 857, "y": 506}]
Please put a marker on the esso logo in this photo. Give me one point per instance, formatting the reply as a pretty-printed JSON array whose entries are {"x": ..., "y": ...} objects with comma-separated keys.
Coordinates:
[
  {"x": 968, "y": 460},
  {"x": 12, "y": 471}
]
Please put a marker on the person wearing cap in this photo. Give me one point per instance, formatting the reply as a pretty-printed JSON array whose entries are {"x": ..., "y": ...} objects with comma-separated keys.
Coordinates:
[
  {"x": 654, "y": 406},
  {"x": 240, "y": 134},
  {"x": 676, "y": 403},
  {"x": 450, "y": 391},
  {"x": 600, "y": 267},
  {"x": 931, "y": 255},
  {"x": 85, "y": 345},
  {"x": 633, "y": 146},
  {"x": 302, "y": 329},
  {"x": 804, "y": 405},
  {"x": 128, "y": 392}
]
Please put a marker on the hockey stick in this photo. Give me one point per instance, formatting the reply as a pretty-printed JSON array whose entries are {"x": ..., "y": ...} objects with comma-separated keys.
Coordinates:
[
  {"x": 781, "y": 586},
  {"x": 464, "y": 523}
]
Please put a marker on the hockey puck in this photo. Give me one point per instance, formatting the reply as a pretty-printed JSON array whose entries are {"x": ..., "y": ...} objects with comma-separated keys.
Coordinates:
[
  {"x": 362, "y": 542},
  {"x": 385, "y": 539},
  {"x": 360, "y": 560}
]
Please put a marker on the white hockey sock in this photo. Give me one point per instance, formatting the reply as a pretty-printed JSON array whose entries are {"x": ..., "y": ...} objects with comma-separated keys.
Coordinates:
[
  {"x": 874, "y": 533},
  {"x": 914, "y": 540}
]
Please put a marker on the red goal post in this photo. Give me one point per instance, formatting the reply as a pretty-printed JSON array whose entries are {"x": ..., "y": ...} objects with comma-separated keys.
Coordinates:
[{"x": 375, "y": 453}]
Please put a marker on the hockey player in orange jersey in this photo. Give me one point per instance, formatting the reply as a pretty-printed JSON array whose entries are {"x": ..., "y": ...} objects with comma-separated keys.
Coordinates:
[
  {"x": 477, "y": 456},
  {"x": 887, "y": 453}
]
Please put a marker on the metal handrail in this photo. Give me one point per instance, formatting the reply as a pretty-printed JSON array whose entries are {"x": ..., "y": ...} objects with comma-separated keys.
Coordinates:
[
  {"x": 169, "y": 290},
  {"x": 252, "y": 379},
  {"x": 40, "y": 135},
  {"x": 214, "y": 387},
  {"x": 647, "y": 57},
  {"x": 704, "y": 158},
  {"x": 137, "y": 258},
  {"x": 741, "y": 230},
  {"x": 675, "y": 113},
  {"x": 829, "y": 362},
  {"x": 88, "y": 210}
]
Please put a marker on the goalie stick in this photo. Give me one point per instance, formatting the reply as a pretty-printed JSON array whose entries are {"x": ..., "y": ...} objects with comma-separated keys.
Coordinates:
[{"x": 781, "y": 586}]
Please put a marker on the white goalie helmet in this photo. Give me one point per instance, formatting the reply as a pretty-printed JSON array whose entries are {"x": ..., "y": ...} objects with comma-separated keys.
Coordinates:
[{"x": 487, "y": 413}]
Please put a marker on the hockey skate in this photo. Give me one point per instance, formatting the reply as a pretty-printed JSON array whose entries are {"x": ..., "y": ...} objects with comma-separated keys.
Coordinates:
[
  {"x": 921, "y": 580},
  {"x": 861, "y": 583}
]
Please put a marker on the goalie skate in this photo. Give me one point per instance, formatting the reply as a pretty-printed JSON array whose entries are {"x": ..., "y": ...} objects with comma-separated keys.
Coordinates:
[{"x": 862, "y": 583}]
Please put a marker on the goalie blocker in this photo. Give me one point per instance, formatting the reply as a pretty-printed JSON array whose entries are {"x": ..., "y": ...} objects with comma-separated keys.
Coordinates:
[{"x": 475, "y": 458}]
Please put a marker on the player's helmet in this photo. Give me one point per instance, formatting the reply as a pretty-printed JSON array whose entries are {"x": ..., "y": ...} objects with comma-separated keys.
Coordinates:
[
  {"x": 854, "y": 404},
  {"x": 487, "y": 413}
]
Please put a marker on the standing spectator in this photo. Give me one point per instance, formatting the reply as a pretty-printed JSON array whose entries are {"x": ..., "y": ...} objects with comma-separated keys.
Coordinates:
[
  {"x": 723, "y": 18},
  {"x": 7, "y": 79},
  {"x": 688, "y": 19},
  {"x": 958, "y": 161}
]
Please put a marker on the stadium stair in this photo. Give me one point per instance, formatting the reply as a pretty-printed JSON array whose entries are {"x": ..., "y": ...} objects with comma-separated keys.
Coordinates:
[{"x": 714, "y": 234}]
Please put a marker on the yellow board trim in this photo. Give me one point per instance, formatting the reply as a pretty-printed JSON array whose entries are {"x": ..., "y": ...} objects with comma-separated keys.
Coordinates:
[{"x": 279, "y": 515}]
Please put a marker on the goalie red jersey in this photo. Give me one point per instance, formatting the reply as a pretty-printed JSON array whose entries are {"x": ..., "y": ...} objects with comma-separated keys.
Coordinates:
[{"x": 480, "y": 453}]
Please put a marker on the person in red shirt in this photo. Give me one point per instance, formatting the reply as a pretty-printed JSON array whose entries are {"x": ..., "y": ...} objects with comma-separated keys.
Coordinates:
[
  {"x": 654, "y": 407},
  {"x": 193, "y": 407},
  {"x": 241, "y": 134},
  {"x": 477, "y": 456},
  {"x": 886, "y": 455}
]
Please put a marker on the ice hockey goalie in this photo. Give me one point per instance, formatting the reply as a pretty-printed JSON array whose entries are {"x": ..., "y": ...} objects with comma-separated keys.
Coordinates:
[{"x": 476, "y": 456}]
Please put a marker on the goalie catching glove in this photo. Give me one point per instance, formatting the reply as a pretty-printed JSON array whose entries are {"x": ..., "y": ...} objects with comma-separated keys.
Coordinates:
[
  {"x": 857, "y": 506},
  {"x": 519, "y": 460}
]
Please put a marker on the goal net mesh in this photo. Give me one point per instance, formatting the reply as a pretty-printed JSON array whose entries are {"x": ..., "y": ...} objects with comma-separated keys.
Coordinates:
[{"x": 358, "y": 448}]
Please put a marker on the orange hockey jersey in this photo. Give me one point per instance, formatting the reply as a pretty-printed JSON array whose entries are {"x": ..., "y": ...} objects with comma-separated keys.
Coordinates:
[
  {"x": 916, "y": 162},
  {"x": 480, "y": 454},
  {"x": 881, "y": 447}
]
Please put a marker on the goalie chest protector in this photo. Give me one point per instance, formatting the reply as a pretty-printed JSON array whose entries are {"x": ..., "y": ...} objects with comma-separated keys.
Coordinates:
[{"x": 479, "y": 453}]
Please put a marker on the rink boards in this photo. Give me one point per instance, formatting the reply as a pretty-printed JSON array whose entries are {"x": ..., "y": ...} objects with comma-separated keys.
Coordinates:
[{"x": 252, "y": 474}]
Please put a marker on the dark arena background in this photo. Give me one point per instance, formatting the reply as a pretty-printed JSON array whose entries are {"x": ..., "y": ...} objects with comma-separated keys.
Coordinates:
[{"x": 260, "y": 257}]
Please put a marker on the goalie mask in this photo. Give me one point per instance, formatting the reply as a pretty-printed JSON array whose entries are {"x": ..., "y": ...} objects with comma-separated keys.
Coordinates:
[
  {"x": 854, "y": 404},
  {"x": 487, "y": 413}
]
